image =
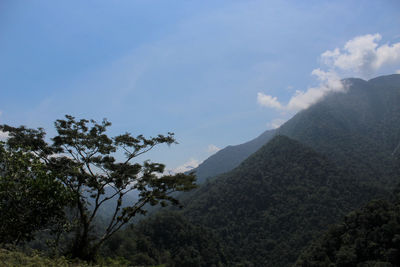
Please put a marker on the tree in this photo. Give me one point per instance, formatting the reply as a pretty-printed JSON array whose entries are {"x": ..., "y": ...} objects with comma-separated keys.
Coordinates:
[
  {"x": 30, "y": 196},
  {"x": 84, "y": 158}
]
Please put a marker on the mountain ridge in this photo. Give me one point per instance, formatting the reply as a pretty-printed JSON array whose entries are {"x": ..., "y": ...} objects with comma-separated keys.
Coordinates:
[
  {"x": 326, "y": 161},
  {"x": 254, "y": 206},
  {"x": 230, "y": 157}
]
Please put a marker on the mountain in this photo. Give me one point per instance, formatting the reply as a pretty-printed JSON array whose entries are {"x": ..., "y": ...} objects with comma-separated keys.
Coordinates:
[
  {"x": 230, "y": 157},
  {"x": 357, "y": 135},
  {"x": 358, "y": 130},
  {"x": 344, "y": 126},
  {"x": 327, "y": 160},
  {"x": 267, "y": 209},
  {"x": 107, "y": 209}
]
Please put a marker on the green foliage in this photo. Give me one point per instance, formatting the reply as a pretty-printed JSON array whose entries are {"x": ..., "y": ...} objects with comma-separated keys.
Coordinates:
[
  {"x": 83, "y": 158},
  {"x": 366, "y": 237},
  {"x": 344, "y": 127},
  {"x": 167, "y": 238},
  {"x": 31, "y": 198},
  {"x": 10, "y": 258},
  {"x": 358, "y": 130},
  {"x": 266, "y": 210},
  {"x": 230, "y": 157}
]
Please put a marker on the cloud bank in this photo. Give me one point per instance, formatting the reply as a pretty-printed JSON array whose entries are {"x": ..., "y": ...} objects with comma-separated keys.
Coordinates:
[
  {"x": 276, "y": 123},
  {"x": 3, "y": 136},
  {"x": 189, "y": 165},
  {"x": 212, "y": 148},
  {"x": 268, "y": 101},
  {"x": 361, "y": 56},
  {"x": 329, "y": 82}
]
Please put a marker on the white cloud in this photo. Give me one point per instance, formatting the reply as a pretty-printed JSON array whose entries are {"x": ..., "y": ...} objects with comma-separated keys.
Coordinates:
[
  {"x": 3, "y": 136},
  {"x": 268, "y": 101},
  {"x": 276, "y": 123},
  {"x": 329, "y": 82},
  {"x": 189, "y": 165},
  {"x": 212, "y": 148},
  {"x": 397, "y": 71},
  {"x": 363, "y": 55}
]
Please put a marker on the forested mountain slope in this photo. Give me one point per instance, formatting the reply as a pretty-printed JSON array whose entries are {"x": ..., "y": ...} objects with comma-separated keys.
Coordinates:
[
  {"x": 266, "y": 210},
  {"x": 339, "y": 154},
  {"x": 366, "y": 237},
  {"x": 230, "y": 157},
  {"x": 358, "y": 128},
  {"x": 168, "y": 239}
]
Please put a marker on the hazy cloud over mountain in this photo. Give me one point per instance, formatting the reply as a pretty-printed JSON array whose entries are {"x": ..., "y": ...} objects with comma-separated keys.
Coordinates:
[
  {"x": 329, "y": 82},
  {"x": 212, "y": 148},
  {"x": 276, "y": 123},
  {"x": 189, "y": 165},
  {"x": 361, "y": 56}
]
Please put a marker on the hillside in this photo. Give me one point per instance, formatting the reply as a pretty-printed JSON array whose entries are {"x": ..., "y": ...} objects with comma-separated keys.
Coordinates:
[
  {"x": 168, "y": 238},
  {"x": 359, "y": 130},
  {"x": 266, "y": 210},
  {"x": 345, "y": 126},
  {"x": 339, "y": 154},
  {"x": 366, "y": 237},
  {"x": 230, "y": 157}
]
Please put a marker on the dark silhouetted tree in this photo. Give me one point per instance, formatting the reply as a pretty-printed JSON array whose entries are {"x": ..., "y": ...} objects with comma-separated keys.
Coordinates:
[{"x": 86, "y": 160}]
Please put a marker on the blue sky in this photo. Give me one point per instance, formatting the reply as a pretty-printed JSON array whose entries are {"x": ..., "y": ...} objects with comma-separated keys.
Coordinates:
[{"x": 215, "y": 73}]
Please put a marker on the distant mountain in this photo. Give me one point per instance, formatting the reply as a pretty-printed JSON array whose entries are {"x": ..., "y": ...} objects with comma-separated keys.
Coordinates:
[
  {"x": 327, "y": 160},
  {"x": 267, "y": 209},
  {"x": 107, "y": 209},
  {"x": 359, "y": 130},
  {"x": 344, "y": 126},
  {"x": 230, "y": 157},
  {"x": 356, "y": 134}
]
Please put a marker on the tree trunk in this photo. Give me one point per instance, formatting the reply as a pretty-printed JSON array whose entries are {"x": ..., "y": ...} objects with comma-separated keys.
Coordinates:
[{"x": 82, "y": 248}]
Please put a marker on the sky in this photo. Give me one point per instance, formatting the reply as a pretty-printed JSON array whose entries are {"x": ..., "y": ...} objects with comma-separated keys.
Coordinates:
[{"x": 216, "y": 73}]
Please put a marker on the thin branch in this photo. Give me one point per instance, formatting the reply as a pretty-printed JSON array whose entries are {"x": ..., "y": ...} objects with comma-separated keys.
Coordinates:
[
  {"x": 136, "y": 154},
  {"x": 111, "y": 230}
]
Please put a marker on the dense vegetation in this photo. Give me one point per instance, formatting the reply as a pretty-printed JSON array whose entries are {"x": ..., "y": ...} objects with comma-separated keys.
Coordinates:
[
  {"x": 15, "y": 258},
  {"x": 230, "y": 157},
  {"x": 366, "y": 237},
  {"x": 31, "y": 199},
  {"x": 359, "y": 130},
  {"x": 272, "y": 205},
  {"x": 266, "y": 210},
  {"x": 345, "y": 127},
  {"x": 168, "y": 238},
  {"x": 81, "y": 161}
]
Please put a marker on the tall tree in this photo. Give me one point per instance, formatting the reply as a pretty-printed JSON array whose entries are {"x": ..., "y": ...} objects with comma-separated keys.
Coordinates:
[{"x": 85, "y": 159}]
